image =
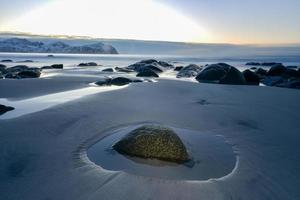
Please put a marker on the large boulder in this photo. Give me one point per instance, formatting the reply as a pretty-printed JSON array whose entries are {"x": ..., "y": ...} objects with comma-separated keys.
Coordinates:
[
  {"x": 119, "y": 81},
  {"x": 261, "y": 72},
  {"x": 29, "y": 74},
  {"x": 277, "y": 70},
  {"x": 191, "y": 70},
  {"x": 147, "y": 73},
  {"x": 221, "y": 73},
  {"x": 4, "y": 109},
  {"x": 154, "y": 142},
  {"x": 108, "y": 70},
  {"x": 89, "y": 64},
  {"x": 57, "y": 66},
  {"x": 3, "y": 69},
  {"x": 125, "y": 70},
  {"x": 251, "y": 77},
  {"x": 17, "y": 68},
  {"x": 154, "y": 65}
]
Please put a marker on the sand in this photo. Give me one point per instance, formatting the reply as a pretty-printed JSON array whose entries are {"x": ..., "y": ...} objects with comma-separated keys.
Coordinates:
[{"x": 44, "y": 154}]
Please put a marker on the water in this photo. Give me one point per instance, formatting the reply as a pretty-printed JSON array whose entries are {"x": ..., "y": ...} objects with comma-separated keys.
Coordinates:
[{"x": 122, "y": 60}]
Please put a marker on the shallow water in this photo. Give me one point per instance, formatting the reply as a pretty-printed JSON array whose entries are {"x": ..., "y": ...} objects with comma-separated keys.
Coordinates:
[
  {"x": 212, "y": 157},
  {"x": 32, "y": 105}
]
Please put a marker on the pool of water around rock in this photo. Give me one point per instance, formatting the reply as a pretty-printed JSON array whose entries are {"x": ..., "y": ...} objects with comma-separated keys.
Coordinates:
[{"x": 211, "y": 157}]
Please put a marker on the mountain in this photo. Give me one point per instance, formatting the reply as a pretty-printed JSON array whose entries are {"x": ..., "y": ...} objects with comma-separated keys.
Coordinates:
[{"x": 27, "y": 46}]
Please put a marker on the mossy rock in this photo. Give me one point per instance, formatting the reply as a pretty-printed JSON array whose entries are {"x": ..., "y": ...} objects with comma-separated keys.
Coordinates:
[{"x": 153, "y": 141}]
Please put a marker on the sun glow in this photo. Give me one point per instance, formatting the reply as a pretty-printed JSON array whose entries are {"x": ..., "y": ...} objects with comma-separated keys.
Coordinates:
[{"x": 130, "y": 19}]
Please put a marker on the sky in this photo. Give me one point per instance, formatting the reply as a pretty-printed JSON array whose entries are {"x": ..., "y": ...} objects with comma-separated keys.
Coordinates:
[{"x": 203, "y": 21}]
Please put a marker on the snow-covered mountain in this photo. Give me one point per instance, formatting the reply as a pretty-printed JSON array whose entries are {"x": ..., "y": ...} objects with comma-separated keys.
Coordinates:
[{"x": 27, "y": 46}]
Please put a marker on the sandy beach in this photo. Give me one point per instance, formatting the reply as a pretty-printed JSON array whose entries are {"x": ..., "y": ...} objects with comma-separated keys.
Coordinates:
[{"x": 44, "y": 153}]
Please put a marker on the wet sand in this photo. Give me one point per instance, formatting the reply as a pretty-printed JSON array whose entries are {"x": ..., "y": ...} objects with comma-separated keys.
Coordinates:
[{"x": 44, "y": 154}]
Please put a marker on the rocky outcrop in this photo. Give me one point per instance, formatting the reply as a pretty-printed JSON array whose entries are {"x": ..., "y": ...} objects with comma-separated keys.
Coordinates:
[
  {"x": 89, "y": 64},
  {"x": 221, "y": 73},
  {"x": 118, "y": 81},
  {"x": 147, "y": 73},
  {"x": 154, "y": 142},
  {"x": 251, "y": 77},
  {"x": 191, "y": 70},
  {"x": 4, "y": 109}
]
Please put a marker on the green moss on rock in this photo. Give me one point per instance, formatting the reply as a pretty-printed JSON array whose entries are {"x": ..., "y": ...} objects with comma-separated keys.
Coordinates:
[{"x": 153, "y": 141}]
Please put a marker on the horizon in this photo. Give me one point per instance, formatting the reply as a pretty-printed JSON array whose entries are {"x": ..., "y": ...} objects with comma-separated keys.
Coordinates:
[
  {"x": 18, "y": 34},
  {"x": 231, "y": 22}
]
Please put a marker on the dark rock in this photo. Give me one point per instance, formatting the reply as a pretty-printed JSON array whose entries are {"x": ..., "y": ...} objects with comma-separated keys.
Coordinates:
[
  {"x": 261, "y": 72},
  {"x": 273, "y": 80},
  {"x": 270, "y": 63},
  {"x": 119, "y": 69},
  {"x": 291, "y": 73},
  {"x": 89, "y": 64},
  {"x": 17, "y": 68},
  {"x": 191, "y": 70},
  {"x": 3, "y": 69},
  {"x": 251, "y": 77},
  {"x": 108, "y": 70},
  {"x": 119, "y": 81},
  {"x": 103, "y": 82},
  {"x": 12, "y": 76},
  {"x": 154, "y": 65},
  {"x": 26, "y": 61},
  {"x": 253, "y": 68},
  {"x": 147, "y": 73},
  {"x": 221, "y": 73},
  {"x": 4, "y": 109},
  {"x": 6, "y": 60},
  {"x": 50, "y": 56},
  {"x": 253, "y": 63},
  {"x": 29, "y": 74},
  {"x": 154, "y": 142},
  {"x": 46, "y": 67},
  {"x": 57, "y": 66},
  {"x": 178, "y": 68},
  {"x": 277, "y": 70},
  {"x": 165, "y": 64}
]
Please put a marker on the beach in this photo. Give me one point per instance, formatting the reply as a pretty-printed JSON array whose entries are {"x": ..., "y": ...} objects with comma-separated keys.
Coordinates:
[{"x": 44, "y": 151}]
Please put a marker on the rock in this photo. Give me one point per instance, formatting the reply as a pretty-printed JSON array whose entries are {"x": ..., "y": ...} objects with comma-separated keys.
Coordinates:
[
  {"x": 108, "y": 70},
  {"x": 154, "y": 65},
  {"x": 29, "y": 74},
  {"x": 253, "y": 63},
  {"x": 26, "y": 61},
  {"x": 251, "y": 77},
  {"x": 147, "y": 73},
  {"x": 57, "y": 66},
  {"x": 191, "y": 70},
  {"x": 221, "y": 73},
  {"x": 4, "y": 109},
  {"x": 178, "y": 68},
  {"x": 119, "y": 69},
  {"x": 89, "y": 64},
  {"x": 154, "y": 142},
  {"x": 273, "y": 80},
  {"x": 165, "y": 64},
  {"x": 270, "y": 63},
  {"x": 119, "y": 81},
  {"x": 291, "y": 73},
  {"x": 3, "y": 69},
  {"x": 16, "y": 69},
  {"x": 277, "y": 70},
  {"x": 261, "y": 72},
  {"x": 104, "y": 82},
  {"x": 12, "y": 76},
  {"x": 46, "y": 67},
  {"x": 253, "y": 68},
  {"x": 50, "y": 56},
  {"x": 6, "y": 60}
]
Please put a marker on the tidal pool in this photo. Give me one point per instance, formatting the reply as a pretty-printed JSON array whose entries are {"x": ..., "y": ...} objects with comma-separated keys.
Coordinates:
[{"x": 212, "y": 157}]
